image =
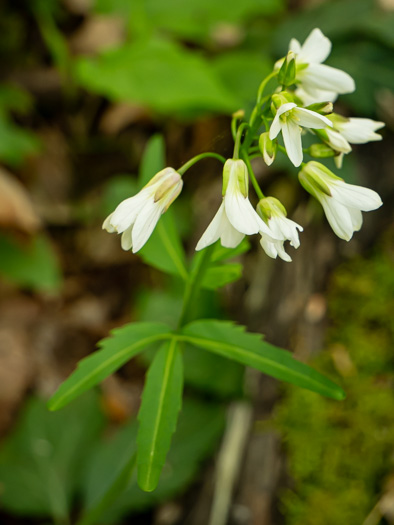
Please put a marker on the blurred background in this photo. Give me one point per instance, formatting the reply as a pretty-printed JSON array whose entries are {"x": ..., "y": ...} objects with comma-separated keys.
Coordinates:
[{"x": 84, "y": 86}]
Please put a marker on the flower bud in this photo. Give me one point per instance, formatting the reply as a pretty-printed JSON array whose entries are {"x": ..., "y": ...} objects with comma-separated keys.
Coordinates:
[
  {"x": 320, "y": 151},
  {"x": 287, "y": 72},
  {"x": 268, "y": 148},
  {"x": 236, "y": 168},
  {"x": 324, "y": 108}
]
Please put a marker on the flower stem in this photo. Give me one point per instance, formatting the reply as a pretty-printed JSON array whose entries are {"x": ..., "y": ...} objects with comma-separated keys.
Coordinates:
[
  {"x": 200, "y": 266},
  {"x": 252, "y": 176},
  {"x": 237, "y": 144},
  {"x": 197, "y": 158},
  {"x": 263, "y": 84}
]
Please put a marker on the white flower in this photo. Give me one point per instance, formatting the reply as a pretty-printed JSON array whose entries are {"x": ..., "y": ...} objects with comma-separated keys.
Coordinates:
[
  {"x": 342, "y": 202},
  {"x": 314, "y": 76},
  {"x": 135, "y": 218},
  {"x": 288, "y": 119},
  {"x": 357, "y": 130},
  {"x": 236, "y": 216},
  {"x": 274, "y": 215}
]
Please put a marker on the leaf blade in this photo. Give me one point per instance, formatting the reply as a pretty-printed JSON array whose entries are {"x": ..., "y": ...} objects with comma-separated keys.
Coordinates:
[
  {"x": 158, "y": 414},
  {"x": 124, "y": 343},
  {"x": 226, "y": 339}
]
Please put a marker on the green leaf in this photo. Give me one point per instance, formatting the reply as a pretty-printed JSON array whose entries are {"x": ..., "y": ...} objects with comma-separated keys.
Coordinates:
[
  {"x": 16, "y": 143},
  {"x": 158, "y": 414},
  {"x": 115, "y": 351},
  {"x": 198, "y": 432},
  {"x": 226, "y": 339},
  {"x": 220, "y": 275},
  {"x": 153, "y": 160},
  {"x": 32, "y": 266},
  {"x": 158, "y": 73},
  {"x": 43, "y": 458},
  {"x": 164, "y": 249},
  {"x": 222, "y": 254}
]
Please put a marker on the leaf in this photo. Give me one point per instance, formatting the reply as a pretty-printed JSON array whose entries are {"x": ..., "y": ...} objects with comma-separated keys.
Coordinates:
[
  {"x": 157, "y": 73},
  {"x": 16, "y": 143},
  {"x": 32, "y": 266},
  {"x": 43, "y": 458},
  {"x": 226, "y": 339},
  {"x": 153, "y": 160},
  {"x": 198, "y": 431},
  {"x": 158, "y": 414},
  {"x": 222, "y": 254},
  {"x": 115, "y": 351},
  {"x": 220, "y": 275},
  {"x": 164, "y": 249}
]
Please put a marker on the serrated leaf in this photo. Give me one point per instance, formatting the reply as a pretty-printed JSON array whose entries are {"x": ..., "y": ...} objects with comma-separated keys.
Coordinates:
[
  {"x": 220, "y": 275},
  {"x": 158, "y": 414},
  {"x": 229, "y": 340},
  {"x": 115, "y": 351}
]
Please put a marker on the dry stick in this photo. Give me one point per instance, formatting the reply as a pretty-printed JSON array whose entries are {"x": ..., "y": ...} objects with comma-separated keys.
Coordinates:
[{"x": 229, "y": 461}]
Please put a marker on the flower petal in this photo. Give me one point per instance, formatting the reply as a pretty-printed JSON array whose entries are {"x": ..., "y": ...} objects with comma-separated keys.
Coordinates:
[
  {"x": 295, "y": 46},
  {"x": 316, "y": 48},
  {"x": 230, "y": 237},
  {"x": 338, "y": 216},
  {"x": 311, "y": 119},
  {"x": 125, "y": 240},
  {"x": 357, "y": 218},
  {"x": 126, "y": 213},
  {"x": 354, "y": 196},
  {"x": 338, "y": 141},
  {"x": 327, "y": 78},
  {"x": 292, "y": 139},
  {"x": 214, "y": 230},
  {"x": 241, "y": 213},
  {"x": 361, "y": 130},
  {"x": 275, "y": 127},
  {"x": 145, "y": 224}
]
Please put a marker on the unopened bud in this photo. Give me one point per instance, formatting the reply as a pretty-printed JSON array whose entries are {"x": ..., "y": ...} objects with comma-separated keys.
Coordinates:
[
  {"x": 269, "y": 206},
  {"x": 287, "y": 72},
  {"x": 324, "y": 108},
  {"x": 267, "y": 148},
  {"x": 239, "y": 114},
  {"x": 320, "y": 151},
  {"x": 278, "y": 99}
]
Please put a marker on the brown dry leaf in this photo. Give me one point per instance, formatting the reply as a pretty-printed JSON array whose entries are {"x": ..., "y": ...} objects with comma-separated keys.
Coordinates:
[
  {"x": 387, "y": 5},
  {"x": 16, "y": 209},
  {"x": 79, "y": 7},
  {"x": 98, "y": 33},
  {"x": 119, "y": 116}
]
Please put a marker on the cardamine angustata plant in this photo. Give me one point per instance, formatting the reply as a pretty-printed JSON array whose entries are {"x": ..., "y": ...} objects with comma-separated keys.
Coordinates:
[{"x": 295, "y": 99}]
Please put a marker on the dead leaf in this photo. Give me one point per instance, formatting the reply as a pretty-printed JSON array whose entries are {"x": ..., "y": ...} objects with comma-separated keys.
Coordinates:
[{"x": 16, "y": 209}]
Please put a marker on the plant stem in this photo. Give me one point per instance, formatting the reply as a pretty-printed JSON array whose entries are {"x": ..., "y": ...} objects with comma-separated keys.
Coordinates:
[
  {"x": 202, "y": 260},
  {"x": 237, "y": 144},
  {"x": 92, "y": 516},
  {"x": 252, "y": 176},
  {"x": 197, "y": 158}
]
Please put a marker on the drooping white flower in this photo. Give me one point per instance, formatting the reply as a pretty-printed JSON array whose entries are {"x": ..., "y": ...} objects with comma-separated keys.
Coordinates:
[
  {"x": 357, "y": 130},
  {"x": 318, "y": 81},
  {"x": 342, "y": 202},
  {"x": 236, "y": 216},
  {"x": 288, "y": 119},
  {"x": 273, "y": 213},
  {"x": 135, "y": 218}
]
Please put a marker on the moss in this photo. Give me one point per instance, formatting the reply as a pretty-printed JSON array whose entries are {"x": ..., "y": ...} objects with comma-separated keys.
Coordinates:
[{"x": 339, "y": 453}]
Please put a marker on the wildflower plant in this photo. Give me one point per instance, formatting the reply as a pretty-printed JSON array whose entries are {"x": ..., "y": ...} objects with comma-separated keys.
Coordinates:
[{"x": 294, "y": 99}]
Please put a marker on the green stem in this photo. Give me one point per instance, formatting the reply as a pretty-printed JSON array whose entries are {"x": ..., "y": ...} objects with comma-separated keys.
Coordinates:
[
  {"x": 263, "y": 85},
  {"x": 237, "y": 144},
  {"x": 197, "y": 158},
  {"x": 202, "y": 260},
  {"x": 255, "y": 184},
  {"x": 93, "y": 515}
]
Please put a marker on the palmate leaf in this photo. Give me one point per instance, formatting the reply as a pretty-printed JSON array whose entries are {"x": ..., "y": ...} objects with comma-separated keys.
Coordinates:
[
  {"x": 123, "y": 344},
  {"x": 158, "y": 414},
  {"x": 226, "y": 339}
]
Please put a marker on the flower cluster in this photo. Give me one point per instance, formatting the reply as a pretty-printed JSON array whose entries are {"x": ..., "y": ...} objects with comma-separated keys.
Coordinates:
[{"x": 301, "y": 103}]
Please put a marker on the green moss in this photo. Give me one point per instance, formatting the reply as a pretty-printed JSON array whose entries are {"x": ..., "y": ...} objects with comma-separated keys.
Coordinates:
[{"x": 339, "y": 453}]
